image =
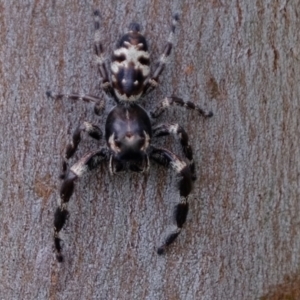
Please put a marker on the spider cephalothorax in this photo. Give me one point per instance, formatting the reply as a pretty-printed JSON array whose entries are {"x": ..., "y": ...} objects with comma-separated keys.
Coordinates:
[
  {"x": 130, "y": 65},
  {"x": 128, "y": 129}
]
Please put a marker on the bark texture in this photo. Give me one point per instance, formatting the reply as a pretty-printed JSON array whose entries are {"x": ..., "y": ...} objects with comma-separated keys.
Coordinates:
[{"x": 241, "y": 59}]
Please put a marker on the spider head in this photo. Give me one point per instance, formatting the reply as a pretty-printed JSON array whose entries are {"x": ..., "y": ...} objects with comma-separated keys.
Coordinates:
[{"x": 130, "y": 65}]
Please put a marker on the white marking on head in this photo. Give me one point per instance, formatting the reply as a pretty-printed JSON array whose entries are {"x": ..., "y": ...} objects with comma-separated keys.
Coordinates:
[
  {"x": 140, "y": 45},
  {"x": 136, "y": 82},
  {"x": 132, "y": 55},
  {"x": 115, "y": 68},
  {"x": 126, "y": 43}
]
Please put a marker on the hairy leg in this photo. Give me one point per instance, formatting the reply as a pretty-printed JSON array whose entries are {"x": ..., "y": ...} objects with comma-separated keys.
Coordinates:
[
  {"x": 167, "y": 158},
  {"x": 168, "y": 102},
  {"x": 87, "y": 163},
  {"x": 177, "y": 130}
]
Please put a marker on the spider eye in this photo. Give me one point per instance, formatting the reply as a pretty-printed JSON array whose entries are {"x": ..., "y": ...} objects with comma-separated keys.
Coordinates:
[
  {"x": 144, "y": 61},
  {"x": 119, "y": 58}
]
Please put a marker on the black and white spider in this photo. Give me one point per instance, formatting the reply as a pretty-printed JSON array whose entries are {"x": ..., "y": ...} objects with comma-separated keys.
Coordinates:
[{"x": 128, "y": 127}]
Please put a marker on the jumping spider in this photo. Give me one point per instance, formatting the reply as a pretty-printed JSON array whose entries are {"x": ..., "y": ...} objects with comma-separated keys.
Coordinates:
[{"x": 128, "y": 127}]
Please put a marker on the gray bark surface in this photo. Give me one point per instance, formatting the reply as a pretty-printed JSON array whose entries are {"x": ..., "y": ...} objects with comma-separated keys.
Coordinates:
[{"x": 241, "y": 59}]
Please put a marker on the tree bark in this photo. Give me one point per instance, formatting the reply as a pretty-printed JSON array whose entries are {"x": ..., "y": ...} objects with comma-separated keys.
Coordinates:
[{"x": 239, "y": 59}]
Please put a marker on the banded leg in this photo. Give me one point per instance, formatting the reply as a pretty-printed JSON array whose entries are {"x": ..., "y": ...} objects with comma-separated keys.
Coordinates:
[
  {"x": 91, "y": 129},
  {"x": 176, "y": 129},
  {"x": 153, "y": 81},
  {"x": 166, "y": 158},
  {"x": 169, "y": 101},
  {"x": 106, "y": 85},
  {"x": 90, "y": 161},
  {"x": 99, "y": 103}
]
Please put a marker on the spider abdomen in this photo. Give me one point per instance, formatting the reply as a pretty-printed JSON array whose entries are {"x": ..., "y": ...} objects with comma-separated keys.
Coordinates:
[{"x": 128, "y": 132}]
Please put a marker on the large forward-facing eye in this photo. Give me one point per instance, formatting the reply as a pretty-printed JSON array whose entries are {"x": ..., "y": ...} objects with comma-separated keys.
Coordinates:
[
  {"x": 119, "y": 58},
  {"x": 144, "y": 61}
]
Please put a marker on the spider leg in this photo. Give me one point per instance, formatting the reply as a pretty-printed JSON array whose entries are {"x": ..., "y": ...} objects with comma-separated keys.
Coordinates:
[
  {"x": 99, "y": 103},
  {"x": 167, "y": 158},
  {"x": 87, "y": 163},
  {"x": 176, "y": 129},
  {"x": 170, "y": 101},
  {"x": 100, "y": 60},
  {"x": 91, "y": 129},
  {"x": 153, "y": 81},
  {"x": 115, "y": 165}
]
